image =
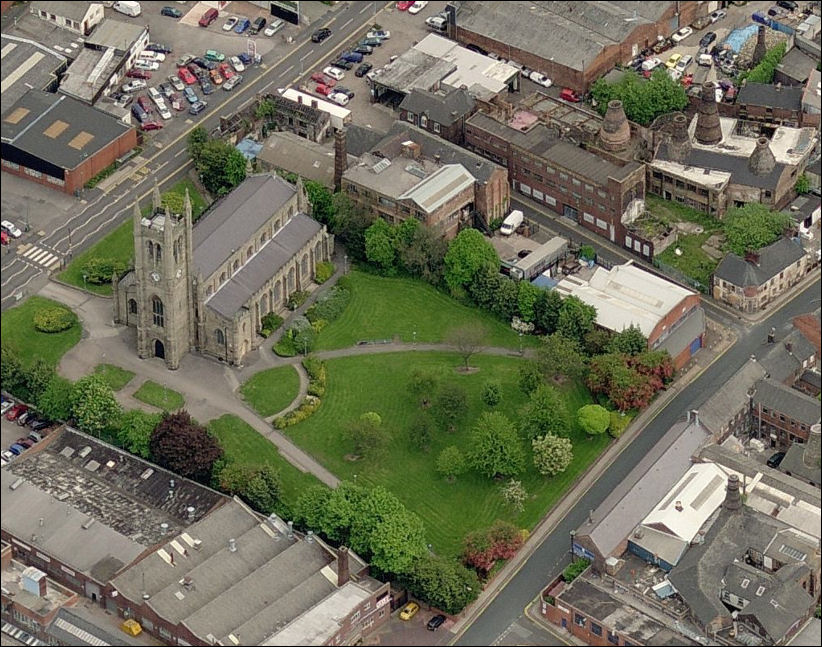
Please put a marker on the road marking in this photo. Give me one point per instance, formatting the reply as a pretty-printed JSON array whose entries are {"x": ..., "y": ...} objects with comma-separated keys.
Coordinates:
[
  {"x": 365, "y": 8},
  {"x": 183, "y": 150},
  {"x": 47, "y": 258},
  {"x": 8, "y": 277},
  {"x": 350, "y": 20},
  {"x": 302, "y": 58},
  {"x": 20, "y": 287},
  {"x": 283, "y": 73}
]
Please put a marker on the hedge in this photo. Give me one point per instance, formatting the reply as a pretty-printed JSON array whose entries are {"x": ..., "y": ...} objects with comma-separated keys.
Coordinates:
[
  {"x": 54, "y": 319},
  {"x": 317, "y": 375},
  {"x": 308, "y": 406}
]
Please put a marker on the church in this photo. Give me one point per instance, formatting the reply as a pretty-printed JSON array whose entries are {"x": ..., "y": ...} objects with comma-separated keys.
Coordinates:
[{"x": 206, "y": 287}]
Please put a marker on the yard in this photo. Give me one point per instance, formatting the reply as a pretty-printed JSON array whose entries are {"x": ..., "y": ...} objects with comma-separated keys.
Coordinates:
[
  {"x": 119, "y": 244},
  {"x": 19, "y": 332},
  {"x": 115, "y": 376},
  {"x": 384, "y": 308},
  {"x": 380, "y": 383},
  {"x": 271, "y": 391},
  {"x": 160, "y": 396},
  {"x": 244, "y": 444}
]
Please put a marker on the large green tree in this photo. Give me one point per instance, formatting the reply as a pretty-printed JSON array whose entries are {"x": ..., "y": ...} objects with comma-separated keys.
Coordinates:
[
  {"x": 380, "y": 245},
  {"x": 576, "y": 318},
  {"x": 311, "y": 507},
  {"x": 544, "y": 413},
  {"x": 630, "y": 341},
  {"x": 349, "y": 225},
  {"x": 468, "y": 253},
  {"x": 366, "y": 433},
  {"x": 55, "y": 401},
  {"x": 322, "y": 203},
  {"x": 552, "y": 454},
  {"x": 496, "y": 449},
  {"x": 424, "y": 254},
  {"x": 221, "y": 167},
  {"x": 450, "y": 404},
  {"x": 560, "y": 356},
  {"x": 643, "y": 100},
  {"x": 451, "y": 463},
  {"x": 442, "y": 582},
  {"x": 546, "y": 311},
  {"x": 753, "y": 226},
  {"x": 135, "y": 429},
  {"x": 93, "y": 405}
]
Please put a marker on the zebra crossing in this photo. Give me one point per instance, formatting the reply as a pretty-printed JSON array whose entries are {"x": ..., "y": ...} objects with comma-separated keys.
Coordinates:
[{"x": 42, "y": 256}]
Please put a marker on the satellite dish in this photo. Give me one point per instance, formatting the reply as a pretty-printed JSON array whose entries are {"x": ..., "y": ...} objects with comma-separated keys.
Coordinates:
[{"x": 678, "y": 251}]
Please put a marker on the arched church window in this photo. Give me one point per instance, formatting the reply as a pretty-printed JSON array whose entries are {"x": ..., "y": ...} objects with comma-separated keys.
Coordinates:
[{"x": 158, "y": 311}]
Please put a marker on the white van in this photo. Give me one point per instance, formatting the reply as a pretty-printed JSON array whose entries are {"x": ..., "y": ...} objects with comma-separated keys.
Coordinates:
[
  {"x": 705, "y": 60},
  {"x": 148, "y": 55},
  {"x": 437, "y": 23},
  {"x": 512, "y": 222},
  {"x": 128, "y": 8}
]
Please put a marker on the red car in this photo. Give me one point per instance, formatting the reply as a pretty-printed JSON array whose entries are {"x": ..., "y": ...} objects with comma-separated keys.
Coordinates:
[
  {"x": 151, "y": 125},
  {"x": 226, "y": 71},
  {"x": 4, "y": 238},
  {"x": 186, "y": 76},
  {"x": 134, "y": 73},
  {"x": 319, "y": 77},
  {"x": 16, "y": 411},
  {"x": 144, "y": 103},
  {"x": 404, "y": 6},
  {"x": 322, "y": 89},
  {"x": 569, "y": 95}
]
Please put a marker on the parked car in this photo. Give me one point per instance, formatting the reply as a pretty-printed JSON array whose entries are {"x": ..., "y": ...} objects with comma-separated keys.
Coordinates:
[
  {"x": 409, "y": 611},
  {"x": 379, "y": 33},
  {"x": 343, "y": 90},
  {"x": 205, "y": 84},
  {"x": 237, "y": 64},
  {"x": 319, "y": 77},
  {"x": 133, "y": 86},
  {"x": 569, "y": 95},
  {"x": 274, "y": 27},
  {"x": 363, "y": 69},
  {"x": 139, "y": 114},
  {"x": 417, "y": 6},
  {"x": 672, "y": 61},
  {"x": 8, "y": 456},
  {"x": 320, "y": 35},
  {"x": 701, "y": 22},
  {"x": 719, "y": 14},
  {"x": 166, "y": 90},
  {"x": 323, "y": 89},
  {"x": 662, "y": 45},
  {"x": 651, "y": 64},
  {"x": 363, "y": 49},
  {"x": 18, "y": 409},
  {"x": 257, "y": 25},
  {"x": 405, "y": 5},
  {"x": 684, "y": 63},
  {"x": 334, "y": 72},
  {"x": 7, "y": 404},
  {"x": 40, "y": 425},
  {"x": 543, "y": 80},
  {"x": 171, "y": 12},
  {"x": 226, "y": 71},
  {"x": 204, "y": 63},
  {"x": 775, "y": 460},
  {"x": 214, "y": 55},
  {"x": 135, "y": 73},
  {"x": 342, "y": 64},
  {"x": 214, "y": 76},
  {"x": 681, "y": 34},
  {"x": 21, "y": 419},
  {"x": 233, "y": 82},
  {"x": 25, "y": 442},
  {"x": 11, "y": 229},
  {"x": 229, "y": 24},
  {"x": 208, "y": 17},
  {"x": 4, "y": 238},
  {"x": 339, "y": 98},
  {"x": 371, "y": 42},
  {"x": 242, "y": 25},
  {"x": 707, "y": 39},
  {"x": 245, "y": 59},
  {"x": 185, "y": 59},
  {"x": 151, "y": 125},
  {"x": 197, "y": 107},
  {"x": 16, "y": 449},
  {"x": 788, "y": 4},
  {"x": 186, "y": 77},
  {"x": 435, "y": 622},
  {"x": 177, "y": 102},
  {"x": 191, "y": 95},
  {"x": 159, "y": 48},
  {"x": 143, "y": 64},
  {"x": 352, "y": 57}
]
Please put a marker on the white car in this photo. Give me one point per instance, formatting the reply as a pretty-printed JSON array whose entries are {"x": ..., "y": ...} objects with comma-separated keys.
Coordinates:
[
  {"x": 339, "y": 98},
  {"x": 274, "y": 27},
  {"x": 674, "y": 74},
  {"x": 150, "y": 55},
  {"x": 682, "y": 34},
  {"x": 176, "y": 83},
  {"x": 417, "y": 6},
  {"x": 133, "y": 86},
  {"x": 154, "y": 93},
  {"x": 143, "y": 64},
  {"x": 230, "y": 23},
  {"x": 12, "y": 229},
  {"x": 543, "y": 80},
  {"x": 651, "y": 63},
  {"x": 719, "y": 14},
  {"x": 236, "y": 63},
  {"x": 378, "y": 33},
  {"x": 684, "y": 62},
  {"x": 334, "y": 72},
  {"x": 165, "y": 113}
]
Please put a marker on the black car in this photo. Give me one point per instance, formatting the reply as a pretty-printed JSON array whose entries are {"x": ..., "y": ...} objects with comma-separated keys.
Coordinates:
[
  {"x": 435, "y": 622},
  {"x": 257, "y": 26},
  {"x": 707, "y": 39},
  {"x": 345, "y": 91},
  {"x": 363, "y": 49},
  {"x": 342, "y": 64},
  {"x": 159, "y": 47},
  {"x": 787, "y": 4},
  {"x": 171, "y": 12},
  {"x": 363, "y": 69},
  {"x": 320, "y": 35},
  {"x": 775, "y": 460},
  {"x": 205, "y": 86}
]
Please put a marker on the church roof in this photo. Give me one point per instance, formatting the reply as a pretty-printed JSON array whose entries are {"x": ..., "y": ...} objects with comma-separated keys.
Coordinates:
[
  {"x": 272, "y": 256},
  {"x": 233, "y": 221}
]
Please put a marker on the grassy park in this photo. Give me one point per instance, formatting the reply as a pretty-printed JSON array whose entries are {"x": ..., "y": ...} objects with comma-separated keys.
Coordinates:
[
  {"x": 19, "y": 332},
  {"x": 271, "y": 391}
]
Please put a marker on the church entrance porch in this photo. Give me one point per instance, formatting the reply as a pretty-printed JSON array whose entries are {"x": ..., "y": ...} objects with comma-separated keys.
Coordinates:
[{"x": 159, "y": 349}]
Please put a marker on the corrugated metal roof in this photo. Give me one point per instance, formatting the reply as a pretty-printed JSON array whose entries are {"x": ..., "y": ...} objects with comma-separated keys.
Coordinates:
[{"x": 439, "y": 187}]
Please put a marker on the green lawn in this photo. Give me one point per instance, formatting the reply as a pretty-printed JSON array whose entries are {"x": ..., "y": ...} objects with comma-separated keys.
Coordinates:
[
  {"x": 119, "y": 244},
  {"x": 159, "y": 396},
  {"x": 449, "y": 510},
  {"x": 271, "y": 391},
  {"x": 244, "y": 444},
  {"x": 382, "y": 308},
  {"x": 19, "y": 332},
  {"x": 116, "y": 377}
]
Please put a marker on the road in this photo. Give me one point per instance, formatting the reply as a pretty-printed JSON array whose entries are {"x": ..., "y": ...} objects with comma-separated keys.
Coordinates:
[
  {"x": 169, "y": 163},
  {"x": 553, "y": 553}
]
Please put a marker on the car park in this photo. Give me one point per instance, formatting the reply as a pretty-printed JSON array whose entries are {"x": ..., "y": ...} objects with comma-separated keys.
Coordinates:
[
  {"x": 236, "y": 63},
  {"x": 543, "y": 80},
  {"x": 379, "y": 33},
  {"x": 418, "y": 6},
  {"x": 11, "y": 229},
  {"x": 171, "y": 12},
  {"x": 274, "y": 27},
  {"x": 409, "y": 611},
  {"x": 363, "y": 69},
  {"x": 17, "y": 410},
  {"x": 334, "y": 72},
  {"x": 214, "y": 55},
  {"x": 435, "y": 622},
  {"x": 405, "y": 5},
  {"x": 681, "y": 34},
  {"x": 143, "y": 64},
  {"x": 160, "y": 48},
  {"x": 138, "y": 74},
  {"x": 257, "y": 25},
  {"x": 233, "y": 82},
  {"x": 208, "y": 17},
  {"x": 320, "y": 35}
]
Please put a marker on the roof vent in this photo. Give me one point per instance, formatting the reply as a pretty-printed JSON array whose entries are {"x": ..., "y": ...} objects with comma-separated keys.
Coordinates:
[
  {"x": 232, "y": 545},
  {"x": 190, "y": 512},
  {"x": 164, "y": 527},
  {"x": 309, "y": 537},
  {"x": 198, "y": 544},
  {"x": 678, "y": 506},
  {"x": 84, "y": 452}
]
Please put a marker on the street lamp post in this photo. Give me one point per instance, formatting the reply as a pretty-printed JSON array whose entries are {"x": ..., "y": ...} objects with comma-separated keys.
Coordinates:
[
  {"x": 573, "y": 534},
  {"x": 345, "y": 264},
  {"x": 415, "y": 337},
  {"x": 520, "y": 343},
  {"x": 85, "y": 276}
]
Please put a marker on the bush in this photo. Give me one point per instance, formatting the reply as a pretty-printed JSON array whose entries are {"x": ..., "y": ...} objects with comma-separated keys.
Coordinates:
[
  {"x": 299, "y": 338},
  {"x": 54, "y": 319},
  {"x": 317, "y": 375},
  {"x": 99, "y": 270},
  {"x": 619, "y": 422},
  {"x": 296, "y": 299},
  {"x": 309, "y": 405},
  {"x": 586, "y": 252},
  {"x": 270, "y": 323},
  {"x": 329, "y": 306},
  {"x": 323, "y": 272},
  {"x": 573, "y": 570}
]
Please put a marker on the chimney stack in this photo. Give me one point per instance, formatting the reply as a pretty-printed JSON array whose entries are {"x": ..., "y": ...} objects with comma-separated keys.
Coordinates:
[
  {"x": 762, "y": 161},
  {"x": 291, "y": 530},
  {"x": 411, "y": 149},
  {"x": 708, "y": 129},
  {"x": 752, "y": 257},
  {"x": 340, "y": 158},
  {"x": 760, "y": 49},
  {"x": 309, "y": 537},
  {"x": 733, "y": 500},
  {"x": 343, "y": 572},
  {"x": 615, "y": 133},
  {"x": 813, "y": 450},
  {"x": 679, "y": 144},
  {"x": 678, "y": 506}
]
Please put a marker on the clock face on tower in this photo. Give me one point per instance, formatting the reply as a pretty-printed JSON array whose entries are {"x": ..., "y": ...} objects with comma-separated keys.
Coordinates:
[{"x": 155, "y": 276}]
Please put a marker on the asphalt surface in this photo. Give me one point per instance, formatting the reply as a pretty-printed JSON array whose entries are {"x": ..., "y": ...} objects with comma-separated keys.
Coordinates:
[
  {"x": 169, "y": 163},
  {"x": 553, "y": 553}
]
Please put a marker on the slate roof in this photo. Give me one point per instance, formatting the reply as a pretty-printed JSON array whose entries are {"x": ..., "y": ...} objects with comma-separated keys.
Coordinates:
[
  {"x": 308, "y": 159},
  {"x": 586, "y": 164},
  {"x": 273, "y": 255},
  {"x": 58, "y": 129},
  {"x": 773, "y": 259},
  {"x": 233, "y": 220},
  {"x": 796, "y": 65},
  {"x": 778, "y": 397},
  {"x": 716, "y": 412},
  {"x": 445, "y": 109},
  {"x": 778, "y": 609},
  {"x": 768, "y": 95},
  {"x": 359, "y": 139},
  {"x": 27, "y": 64},
  {"x": 74, "y": 10},
  {"x": 782, "y": 364},
  {"x": 116, "y": 33},
  {"x": 794, "y": 464}
]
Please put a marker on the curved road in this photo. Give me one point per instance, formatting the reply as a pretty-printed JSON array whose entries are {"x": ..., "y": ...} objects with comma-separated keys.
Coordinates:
[{"x": 553, "y": 553}]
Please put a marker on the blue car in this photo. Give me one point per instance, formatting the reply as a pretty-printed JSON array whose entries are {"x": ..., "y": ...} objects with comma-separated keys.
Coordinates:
[
  {"x": 245, "y": 59},
  {"x": 17, "y": 449},
  {"x": 244, "y": 24},
  {"x": 191, "y": 96}
]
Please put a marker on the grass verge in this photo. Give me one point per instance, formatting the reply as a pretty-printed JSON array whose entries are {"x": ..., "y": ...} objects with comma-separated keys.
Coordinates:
[
  {"x": 159, "y": 396},
  {"x": 116, "y": 377},
  {"x": 271, "y": 391},
  {"x": 19, "y": 332}
]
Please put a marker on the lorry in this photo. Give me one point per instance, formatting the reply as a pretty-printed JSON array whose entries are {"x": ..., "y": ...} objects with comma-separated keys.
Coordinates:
[
  {"x": 512, "y": 221},
  {"x": 132, "y": 9}
]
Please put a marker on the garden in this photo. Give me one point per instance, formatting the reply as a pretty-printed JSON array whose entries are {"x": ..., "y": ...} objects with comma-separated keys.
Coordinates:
[{"x": 31, "y": 342}]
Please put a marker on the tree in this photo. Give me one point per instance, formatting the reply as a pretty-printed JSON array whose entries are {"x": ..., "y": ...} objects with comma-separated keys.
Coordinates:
[
  {"x": 396, "y": 541},
  {"x": 424, "y": 255},
  {"x": 264, "y": 488},
  {"x": 514, "y": 494},
  {"x": 469, "y": 252},
  {"x": 527, "y": 296},
  {"x": 450, "y": 404},
  {"x": 322, "y": 203},
  {"x": 593, "y": 419},
  {"x": 530, "y": 377},
  {"x": 311, "y": 507},
  {"x": 630, "y": 341},
  {"x": 423, "y": 384},
  {"x": 545, "y": 413},
  {"x": 93, "y": 405},
  {"x": 468, "y": 340},
  {"x": 196, "y": 140},
  {"x": 492, "y": 393},
  {"x": 560, "y": 356},
  {"x": 482, "y": 548},
  {"x": 366, "y": 433},
  {"x": 181, "y": 445},
  {"x": 421, "y": 431},
  {"x": 596, "y": 341},
  {"x": 135, "y": 429},
  {"x": 546, "y": 311},
  {"x": 38, "y": 375},
  {"x": 802, "y": 185},
  {"x": 379, "y": 245},
  {"x": 643, "y": 101},
  {"x": 451, "y": 463},
  {"x": 349, "y": 225},
  {"x": 506, "y": 299},
  {"x": 552, "y": 454},
  {"x": 221, "y": 167},
  {"x": 625, "y": 386},
  {"x": 441, "y": 582},
  {"x": 752, "y": 227},
  {"x": 495, "y": 446},
  {"x": 12, "y": 372},
  {"x": 55, "y": 401},
  {"x": 764, "y": 70},
  {"x": 576, "y": 318},
  {"x": 265, "y": 108}
]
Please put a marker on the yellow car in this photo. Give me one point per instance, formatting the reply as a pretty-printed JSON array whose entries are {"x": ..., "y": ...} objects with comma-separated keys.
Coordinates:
[
  {"x": 671, "y": 62},
  {"x": 409, "y": 611}
]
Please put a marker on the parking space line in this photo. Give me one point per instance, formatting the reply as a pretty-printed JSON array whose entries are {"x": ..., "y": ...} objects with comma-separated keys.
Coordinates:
[
  {"x": 350, "y": 20},
  {"x": 284, "y": 72}
]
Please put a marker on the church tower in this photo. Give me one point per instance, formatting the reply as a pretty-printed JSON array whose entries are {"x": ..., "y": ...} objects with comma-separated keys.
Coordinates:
[{"x": 163, "y": 272}]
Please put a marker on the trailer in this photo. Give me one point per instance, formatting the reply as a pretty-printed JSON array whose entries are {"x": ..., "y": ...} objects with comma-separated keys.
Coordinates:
[{"x": 542, "y": 258}]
